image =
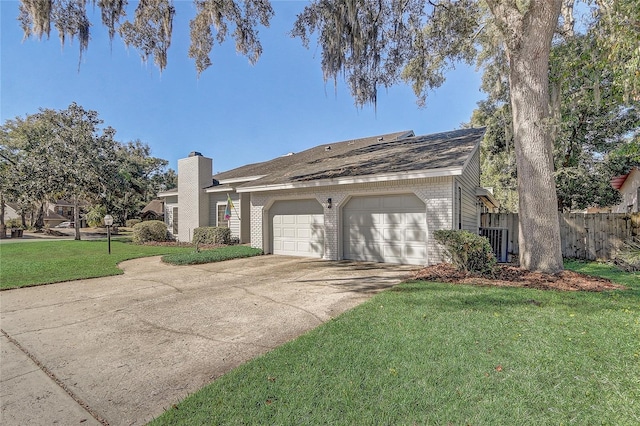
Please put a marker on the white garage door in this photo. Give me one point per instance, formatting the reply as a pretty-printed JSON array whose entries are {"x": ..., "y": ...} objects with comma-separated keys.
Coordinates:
[
  {"x": 297, "y": 228},
  {"x": 390, "y": 228}
]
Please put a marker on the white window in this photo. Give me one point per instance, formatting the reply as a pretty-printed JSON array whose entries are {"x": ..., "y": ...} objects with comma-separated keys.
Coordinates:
[{"x": 222, "y": 222}]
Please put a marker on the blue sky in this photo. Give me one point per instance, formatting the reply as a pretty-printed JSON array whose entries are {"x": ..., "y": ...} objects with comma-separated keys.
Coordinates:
[{"x": 234, "y": 112}]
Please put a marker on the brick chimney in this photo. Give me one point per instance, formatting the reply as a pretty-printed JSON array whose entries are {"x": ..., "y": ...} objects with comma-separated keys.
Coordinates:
[{"x": 194, "y": 174}]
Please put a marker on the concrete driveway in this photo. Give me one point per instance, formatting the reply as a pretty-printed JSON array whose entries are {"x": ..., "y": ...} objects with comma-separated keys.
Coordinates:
[{"x": 120, "y": 350}]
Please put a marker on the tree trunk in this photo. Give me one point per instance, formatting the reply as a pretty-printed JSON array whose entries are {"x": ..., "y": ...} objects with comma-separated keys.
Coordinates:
[
  {"x": 540, "y": 246},
  {"x": 40, "y": 218},
  {"x": 1, "y": 209},
  {"x": 76, "y": 217}
]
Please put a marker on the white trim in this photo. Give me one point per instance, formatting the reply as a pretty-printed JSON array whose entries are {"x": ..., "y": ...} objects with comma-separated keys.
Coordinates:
[
  {"x": 219, "y": 188},
  {"x": 472, "y": 153},
  {"x": 169, "y": 193},
  {"x": 218, "y": 205},
  {"x": 448, "y": 171},
  {"x": 240, "y": 179}
]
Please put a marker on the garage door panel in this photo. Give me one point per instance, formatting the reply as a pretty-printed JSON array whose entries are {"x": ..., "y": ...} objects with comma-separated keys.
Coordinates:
[
  {"x": 393, "y": 234},
  {"x": 392, "y": 218},
  {"x": 297, "y": 228},
  {"x": 415, "y": 235},
  {"x": 388, "y": 228},
  {"x": 303, "y": 233},
  {"x": 288, "y": 220},
  {"x": 288, "y": 232},
  {"x": 416, "y": 219},
  {"x": 391, "y": 201},
  {"x": 392, "y": 250}
]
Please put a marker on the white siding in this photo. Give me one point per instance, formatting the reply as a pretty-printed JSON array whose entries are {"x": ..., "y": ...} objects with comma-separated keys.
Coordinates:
[
  {"x": 220, "y": 199},
  {"x": 630, "y": 193},
  {"x": 468, "y": 182}
]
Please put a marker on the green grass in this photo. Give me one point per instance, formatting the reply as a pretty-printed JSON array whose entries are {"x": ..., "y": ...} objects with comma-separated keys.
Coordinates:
[
  {"x": 207, "y": 256},
  {"x": 430, "y": 353},
  {"x": 33, "y": 263}
]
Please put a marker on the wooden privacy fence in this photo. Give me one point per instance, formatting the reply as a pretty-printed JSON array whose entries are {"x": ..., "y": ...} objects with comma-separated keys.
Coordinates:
[{"x": 590, "y": 236}]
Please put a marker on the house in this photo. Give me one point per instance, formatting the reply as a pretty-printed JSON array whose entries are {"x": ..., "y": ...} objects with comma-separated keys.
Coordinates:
[
  {"x": 372, "y": 199},
  {"x": 629, "y": 187},
  {"x": 153, "y": 211},
  {"x": 63, "y": 210},
  {"x": 11, "y": 211}
]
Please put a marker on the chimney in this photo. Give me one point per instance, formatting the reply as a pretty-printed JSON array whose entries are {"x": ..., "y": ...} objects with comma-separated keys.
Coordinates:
[{"x": 194, "y": 174}]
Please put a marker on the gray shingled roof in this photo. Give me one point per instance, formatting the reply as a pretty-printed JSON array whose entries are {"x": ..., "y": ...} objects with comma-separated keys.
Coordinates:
[{"x": 392, "y": 153}]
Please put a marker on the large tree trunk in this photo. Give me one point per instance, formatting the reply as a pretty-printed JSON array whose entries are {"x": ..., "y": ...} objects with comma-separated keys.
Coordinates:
[{"x": 528, "y": 37}]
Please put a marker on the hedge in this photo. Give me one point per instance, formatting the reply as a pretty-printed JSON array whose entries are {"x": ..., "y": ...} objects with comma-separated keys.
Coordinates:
[{"x": 211, "y": 235}]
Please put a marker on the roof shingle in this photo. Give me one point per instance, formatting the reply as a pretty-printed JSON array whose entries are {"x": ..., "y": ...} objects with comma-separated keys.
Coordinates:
[{"x": 391, "y": 153}]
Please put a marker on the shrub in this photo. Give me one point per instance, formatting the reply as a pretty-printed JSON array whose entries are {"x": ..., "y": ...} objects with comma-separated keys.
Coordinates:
[
  {"x": 211, "y": 235},
  {"x": 152, "y": 230},
  {"x": 628, "y": 258},
  {"x": 96, "y": 215},
  {"x": 14, "y": 223},
  {"x": 469, "y": 252},
  {"x": 130, "y": 223}
]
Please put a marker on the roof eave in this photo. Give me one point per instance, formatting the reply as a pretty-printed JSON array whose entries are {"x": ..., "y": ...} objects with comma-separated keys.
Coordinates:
[
  {"x": 487, "y": 197},
  {"x": 170, "y": 193},
  {"x": 219, "y": 188},
  {"x": 240, "y": 179},
  {"x": 443, "y": 172}
]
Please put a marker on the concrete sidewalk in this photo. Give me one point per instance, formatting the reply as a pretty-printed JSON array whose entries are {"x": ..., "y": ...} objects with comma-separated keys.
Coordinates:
[{"x": 120, "y": 350}]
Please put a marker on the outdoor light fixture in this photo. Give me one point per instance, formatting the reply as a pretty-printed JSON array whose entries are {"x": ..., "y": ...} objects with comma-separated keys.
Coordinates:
[
  {"x": 108, "y": 221},
  {"x": 328, "y": 203}
]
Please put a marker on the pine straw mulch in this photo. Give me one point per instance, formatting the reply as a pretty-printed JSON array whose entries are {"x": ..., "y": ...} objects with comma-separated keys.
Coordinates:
[{"x": 513, "y": 276}]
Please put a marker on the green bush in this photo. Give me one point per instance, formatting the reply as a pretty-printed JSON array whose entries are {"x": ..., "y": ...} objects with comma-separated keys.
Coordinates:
[
  {"x": 96, "y": 215},
  {"x": 130, "y": 223},
  {"x": 211, "y": 235},
  {"x": 152, "y": 230},
  {"x": 14, "y": 223},
  {"x": 469, "y": 252}
]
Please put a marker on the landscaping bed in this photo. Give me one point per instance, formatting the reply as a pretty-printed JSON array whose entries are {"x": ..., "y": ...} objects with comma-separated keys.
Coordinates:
[{"x": 513, "y": 276}]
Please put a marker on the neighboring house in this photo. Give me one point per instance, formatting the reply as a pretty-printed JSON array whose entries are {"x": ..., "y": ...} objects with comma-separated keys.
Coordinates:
[
  {"x": 372, "y": 199},
  {"x": 629, "y": 187},
  {"x": 11, "y": 211},
  {"x": 153, "y": 211},
  {"x": 54, "y": 212},
  {"x": 63, "y": 211}
]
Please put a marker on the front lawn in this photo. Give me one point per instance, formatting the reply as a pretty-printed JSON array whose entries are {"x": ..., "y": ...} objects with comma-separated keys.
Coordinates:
[
  {"x": 43, "y": 262},
  {"x": 431, "y": 353}
]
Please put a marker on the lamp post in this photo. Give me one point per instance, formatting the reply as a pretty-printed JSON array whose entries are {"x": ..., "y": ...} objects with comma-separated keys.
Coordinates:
[{"x": 108, "y": 221}]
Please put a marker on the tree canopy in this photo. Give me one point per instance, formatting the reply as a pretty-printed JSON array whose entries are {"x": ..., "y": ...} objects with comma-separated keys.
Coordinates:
[{"x": 55, "y": 154}]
